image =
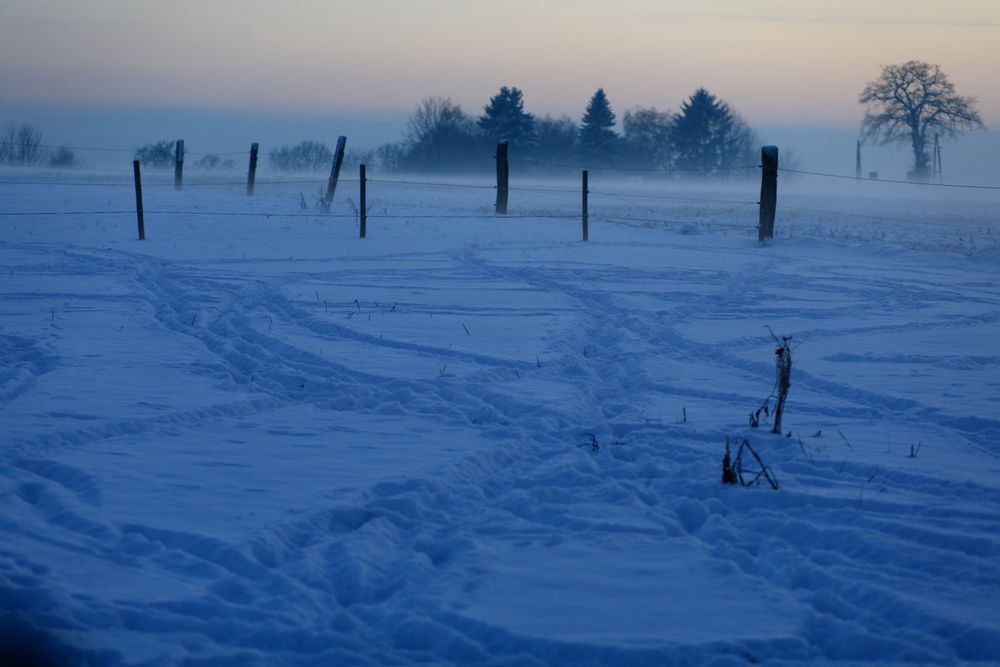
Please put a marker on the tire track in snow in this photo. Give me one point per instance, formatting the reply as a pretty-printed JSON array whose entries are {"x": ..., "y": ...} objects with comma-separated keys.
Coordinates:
[
  {"x": 251, "y": 357},
  {"x": 135, "y": 426},
  {"x": 22, "y": 362}
]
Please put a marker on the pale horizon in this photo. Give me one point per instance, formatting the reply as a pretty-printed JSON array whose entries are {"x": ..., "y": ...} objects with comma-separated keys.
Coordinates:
[
  {"x": 110, "y": 73},
  {"x": 788, "y": 65}
]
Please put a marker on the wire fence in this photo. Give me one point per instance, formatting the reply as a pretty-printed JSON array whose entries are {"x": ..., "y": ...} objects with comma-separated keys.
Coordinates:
[
  {"x": 889, "y": 180},
  {"x": 643, "y": 207}
]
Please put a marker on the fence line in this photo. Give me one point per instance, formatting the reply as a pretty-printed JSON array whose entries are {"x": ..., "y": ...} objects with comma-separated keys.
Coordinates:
[
  {"x": 318, "y": 181},
  {"x": 659, "y": 170},
  {"x": 657, "y": 216},
  {"x": 531, "y": 163},
  {"x": 865, "y": 216},
  {"x": 672, "y": 198},
  {"x": 39, "y": 213},
  {"x": 401, "y": 216},
  {"x": 889, "y": 180},
  {"x": 437, "y": 184},
  {"x": 108, "y": 149}
]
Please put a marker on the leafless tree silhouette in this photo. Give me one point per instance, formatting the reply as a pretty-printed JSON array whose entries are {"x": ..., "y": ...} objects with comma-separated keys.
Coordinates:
[{"x": 913, "y": 102}]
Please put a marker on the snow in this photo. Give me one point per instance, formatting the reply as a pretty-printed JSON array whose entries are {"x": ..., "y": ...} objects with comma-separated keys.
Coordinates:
[{"x": 261, "y": 440}]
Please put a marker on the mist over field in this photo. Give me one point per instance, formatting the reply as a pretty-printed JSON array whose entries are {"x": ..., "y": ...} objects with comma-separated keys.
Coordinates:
[{"x": 971, "y": 158}]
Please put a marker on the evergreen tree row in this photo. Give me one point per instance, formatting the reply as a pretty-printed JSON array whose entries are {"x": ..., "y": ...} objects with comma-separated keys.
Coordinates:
[{"x": 706, "y": 136}]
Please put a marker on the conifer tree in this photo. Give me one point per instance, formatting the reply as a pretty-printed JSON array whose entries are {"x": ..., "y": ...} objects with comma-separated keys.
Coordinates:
[
  {"x": 707, "y": 135},
  {"x": 598, "y": 140},
  {"x": 504, "y": 119}
]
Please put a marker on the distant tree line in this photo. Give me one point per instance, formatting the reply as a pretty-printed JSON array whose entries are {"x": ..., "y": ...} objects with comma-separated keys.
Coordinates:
[
  {"x": 913, "y": 102},
  {"x": 705, "y": 136},
  {"x": 23, "y": 145}
]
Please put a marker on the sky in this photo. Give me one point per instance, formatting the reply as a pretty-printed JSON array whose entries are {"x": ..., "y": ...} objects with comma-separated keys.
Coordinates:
[{"x": 780, "y": 63}]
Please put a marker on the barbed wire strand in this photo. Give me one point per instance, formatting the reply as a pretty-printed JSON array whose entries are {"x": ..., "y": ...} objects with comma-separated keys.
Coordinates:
[
  {"x": 660, "y": 170},
  {"x": 401, "y": 216},
  {"x": 672, "y": 198},
  {"x": 42, "y": 213},
  {"x": 432, "y": 184},
  {"x": 888, "y": 180}
]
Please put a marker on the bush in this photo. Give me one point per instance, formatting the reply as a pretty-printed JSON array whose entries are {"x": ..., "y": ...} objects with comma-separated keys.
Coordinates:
[
  {"x": 306, "y": 156},
  {"x": 159, "y": 155},
  {"x": 208, "y": 162},
  {"x": 64, "y": 157}
]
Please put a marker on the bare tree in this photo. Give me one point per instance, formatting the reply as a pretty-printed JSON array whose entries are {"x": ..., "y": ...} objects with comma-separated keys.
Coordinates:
[
  {"x": 441, "y": 137},
  {"x": 433, "y": 114},
  {"x": 646, "y": 138},
  {"x": 913, "y": 102},
  {"x": 22, "y": 145}
]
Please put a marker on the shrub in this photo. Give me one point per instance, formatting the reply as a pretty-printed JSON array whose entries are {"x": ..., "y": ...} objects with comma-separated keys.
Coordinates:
[
  {"x": 64, "y": 157},
  {"x": 159, "y": 155},
  {"x": 208, "y": 162},
  {"x": 306, "y": 156}
]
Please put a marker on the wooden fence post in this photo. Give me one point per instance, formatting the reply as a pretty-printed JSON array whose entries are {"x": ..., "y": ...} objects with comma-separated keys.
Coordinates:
[
  {"x": 586, "y": 212},
  {"x": 252, "y": 173},
  {"x": 768, "y": 191},
  {"x": 857, "y": 162},
  {"x": 138, "y": 200},
  {"x": 331, "y": 185},
  {"x": 364, "y": 201},
  {"x": 179, "y": 165},
  {"x": 503, "y": 173}
]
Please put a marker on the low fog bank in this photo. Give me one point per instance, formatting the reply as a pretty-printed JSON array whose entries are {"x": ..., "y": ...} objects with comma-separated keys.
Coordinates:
[
  {"x": 970, "y": 159},
  {"x": 204, "y": 131}
]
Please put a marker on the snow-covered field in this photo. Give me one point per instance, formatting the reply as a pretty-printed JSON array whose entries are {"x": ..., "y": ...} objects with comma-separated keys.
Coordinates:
[{"x": 260, "y": 440}]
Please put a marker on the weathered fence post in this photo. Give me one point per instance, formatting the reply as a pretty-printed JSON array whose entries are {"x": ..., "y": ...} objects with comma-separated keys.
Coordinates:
[
  {"x": 364, "y": 201},
  {"x": 857, "y": 162},
  {"x": 768, "y": 191},
  {"x": 138, "y": 200},
  {"x": 252, "y": 172},
  {"x": 586, "y": 212},
  {"x": 503, "y": 172},
  {"x": 331, "y": 185},
  {"x": 179, "y": 165}
]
